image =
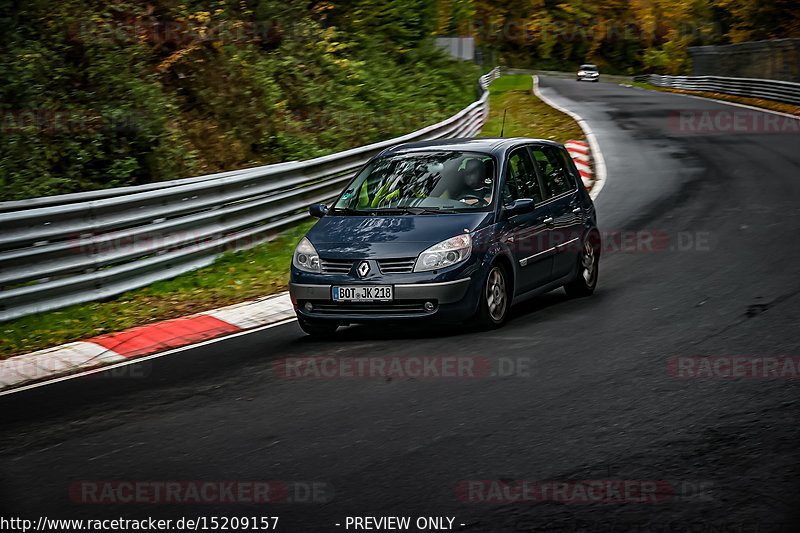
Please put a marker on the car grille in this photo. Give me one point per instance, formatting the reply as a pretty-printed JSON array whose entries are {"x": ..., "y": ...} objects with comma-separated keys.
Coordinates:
[
  {"x": 387, "y": 266},
  {"x": 397, "y": 266},
  {"x": 407, "y": 307},
  {"x": 336, "y": 266}
]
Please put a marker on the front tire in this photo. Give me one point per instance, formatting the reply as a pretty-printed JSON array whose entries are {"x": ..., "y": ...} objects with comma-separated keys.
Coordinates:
[
  {"x": 495, "y": 301},
  {"x": 317, "y": 328},
  {"x": 588, "y": 268}
]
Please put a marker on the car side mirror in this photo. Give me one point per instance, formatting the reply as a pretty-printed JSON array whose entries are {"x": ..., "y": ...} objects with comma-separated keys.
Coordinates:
[
  {"x": 520, "y": 206},
  {"x": 318, "y": 210}
]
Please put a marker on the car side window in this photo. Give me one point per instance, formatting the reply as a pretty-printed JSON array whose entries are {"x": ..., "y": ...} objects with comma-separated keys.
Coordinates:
[
  {"x": 557, "y": 173},
  {"x": 571, "y": 170},
  {"x": 520, "y": 180}
]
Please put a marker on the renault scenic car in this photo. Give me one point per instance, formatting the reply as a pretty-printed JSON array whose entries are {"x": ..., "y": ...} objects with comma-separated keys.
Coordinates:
[
  {"x": 451, "y": 230},
  {"x": 588, "y": 73}
]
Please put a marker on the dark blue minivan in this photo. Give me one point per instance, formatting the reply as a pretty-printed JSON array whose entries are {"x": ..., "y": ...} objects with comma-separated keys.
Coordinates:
[{"x": 452, "y": 230}]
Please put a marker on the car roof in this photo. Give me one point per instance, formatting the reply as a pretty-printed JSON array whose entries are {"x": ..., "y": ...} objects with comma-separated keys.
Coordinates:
[
  {"x": 587, "y": 65},
  {"x": 493, "y": 145}
]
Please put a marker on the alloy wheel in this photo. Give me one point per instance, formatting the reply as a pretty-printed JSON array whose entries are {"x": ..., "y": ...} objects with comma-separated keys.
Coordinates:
[{"x": 496, "y": 297}]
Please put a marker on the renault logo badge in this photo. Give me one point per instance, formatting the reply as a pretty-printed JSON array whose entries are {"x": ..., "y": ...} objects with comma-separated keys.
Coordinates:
[{"x": 363, "y": 269}]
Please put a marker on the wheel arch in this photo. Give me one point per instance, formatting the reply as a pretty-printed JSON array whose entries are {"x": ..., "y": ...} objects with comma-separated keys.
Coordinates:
[
  {"x": 506, "y": 262},
  {"x": 594, "y": 231}
]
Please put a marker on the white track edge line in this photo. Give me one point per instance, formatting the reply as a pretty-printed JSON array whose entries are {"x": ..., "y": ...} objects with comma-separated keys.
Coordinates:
[
  {"x": 599, "y": 161},
  {"x": 599, "y": 178},
  {"x": 135, "y": 360},
  {"x": 737, "y": 104}
]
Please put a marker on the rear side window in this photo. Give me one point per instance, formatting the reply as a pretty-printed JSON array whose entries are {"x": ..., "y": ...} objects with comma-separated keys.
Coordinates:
[
  {"x": 557, "y": 173},
  {"x": 520, "y": 180}
]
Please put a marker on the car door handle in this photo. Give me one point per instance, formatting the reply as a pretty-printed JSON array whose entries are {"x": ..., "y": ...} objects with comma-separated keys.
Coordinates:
[
  {"x": 548, "y": 220},
  {"x": 577, "y": 210}
]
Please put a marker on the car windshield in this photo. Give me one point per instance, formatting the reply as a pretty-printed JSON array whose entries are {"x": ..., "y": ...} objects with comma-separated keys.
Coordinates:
[
  {"x": 588, "y": 67},
  {"x": 421, "y": 183}
]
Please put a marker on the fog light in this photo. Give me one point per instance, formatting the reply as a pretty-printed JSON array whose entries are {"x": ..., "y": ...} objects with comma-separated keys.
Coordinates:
[
  {"x": 308, "y": 307},
  {"x": 429, "y": 306}
]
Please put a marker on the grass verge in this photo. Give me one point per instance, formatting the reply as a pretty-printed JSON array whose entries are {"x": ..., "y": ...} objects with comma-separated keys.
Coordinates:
[
  {"x": 755, "y": 102},
  {"x": 257, "y": 272},
  {"x": 526, "y": 115},
  {"x": 232, "y": 278}
]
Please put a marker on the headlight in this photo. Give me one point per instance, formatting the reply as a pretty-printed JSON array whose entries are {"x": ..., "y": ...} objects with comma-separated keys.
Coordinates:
[
  {"x": 581, "y": 73},
  {"x": 445, "y": 254},
  {"x": 306, "y": 257}
]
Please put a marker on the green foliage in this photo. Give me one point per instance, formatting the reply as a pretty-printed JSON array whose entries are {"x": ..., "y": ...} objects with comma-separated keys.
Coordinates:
[
  {"x": 133, "y": 111},
  {"x": 525, "y": 114},
  {"x": 629, "y": 36}
]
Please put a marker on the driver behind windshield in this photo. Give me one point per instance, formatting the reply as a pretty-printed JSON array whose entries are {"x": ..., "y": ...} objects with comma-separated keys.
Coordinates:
[
  {"x": 436, "y": 180},
  {"x": 475, "y": 184}
]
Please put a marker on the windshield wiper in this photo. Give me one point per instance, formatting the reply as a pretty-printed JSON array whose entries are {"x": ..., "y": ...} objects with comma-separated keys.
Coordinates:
[
  {"x": 437, "y": 210},
  {"x": 384, "y": 211},
  {"x": 407, "y": 210},
  {"x": 343, "y": 211},
  {"x": 414, "y": 210}
]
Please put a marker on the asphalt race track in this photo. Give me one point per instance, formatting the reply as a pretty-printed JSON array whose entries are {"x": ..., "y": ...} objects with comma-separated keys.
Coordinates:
[{"x": 597, "y": 402}]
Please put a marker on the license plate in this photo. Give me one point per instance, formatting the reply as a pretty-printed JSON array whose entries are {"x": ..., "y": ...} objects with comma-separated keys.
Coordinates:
[{"x": 363, "y": 293}]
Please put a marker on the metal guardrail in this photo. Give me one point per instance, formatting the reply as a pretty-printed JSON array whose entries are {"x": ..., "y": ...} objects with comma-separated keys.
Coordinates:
[
  {"x": 614, "y": 78},
  {"x": 780, "y": 91},
  {"x": 61, "y": 250}
]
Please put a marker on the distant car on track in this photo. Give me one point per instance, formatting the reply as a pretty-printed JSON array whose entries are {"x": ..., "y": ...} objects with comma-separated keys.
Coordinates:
[
  {"x": 450, "y": 230},
  {"x": 588, "y": 72}
]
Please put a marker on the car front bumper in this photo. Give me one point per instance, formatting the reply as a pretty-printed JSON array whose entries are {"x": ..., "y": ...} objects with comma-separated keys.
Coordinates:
[{"x": 450, "y": 299}]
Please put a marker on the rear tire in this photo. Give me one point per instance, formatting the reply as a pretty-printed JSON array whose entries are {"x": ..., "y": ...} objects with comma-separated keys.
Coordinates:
[
  {"x": 588, "y": 268},
  {"x": 317, "y": 328},
  {"x": 494, "y": 301}
]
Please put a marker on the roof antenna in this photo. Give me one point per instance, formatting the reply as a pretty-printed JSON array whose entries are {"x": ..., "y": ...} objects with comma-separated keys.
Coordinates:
[{"x": 503, "y": 127}]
